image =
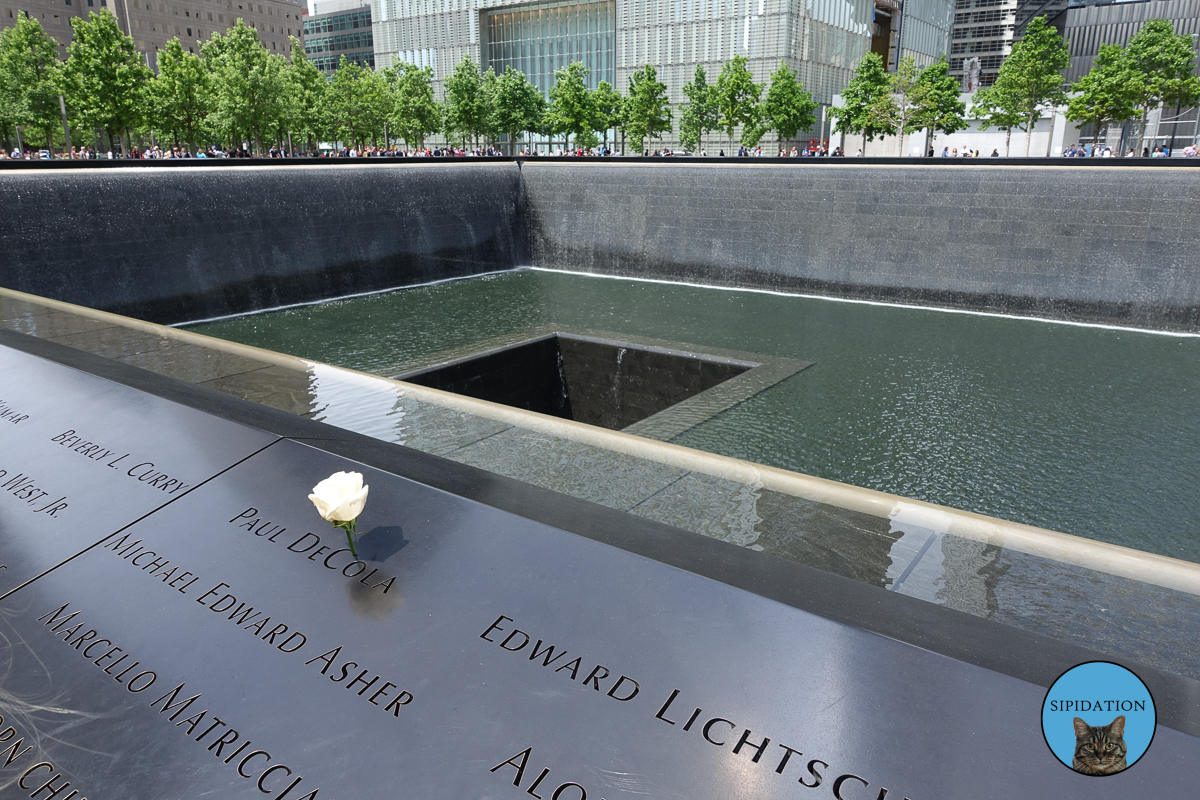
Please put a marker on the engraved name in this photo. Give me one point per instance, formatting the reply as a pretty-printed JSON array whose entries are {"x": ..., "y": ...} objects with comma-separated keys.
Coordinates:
[
  {"x": 23, "y": 487},
  {"x": 10, "y": 414},
  {"x": 313, "y": 548},
  {"x": 144, "y": 472},
  {"x": 256, "y": 765}
]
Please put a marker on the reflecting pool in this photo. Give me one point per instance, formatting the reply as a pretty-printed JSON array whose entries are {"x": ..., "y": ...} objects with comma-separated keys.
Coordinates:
[{"x": 1084, "y": 430}]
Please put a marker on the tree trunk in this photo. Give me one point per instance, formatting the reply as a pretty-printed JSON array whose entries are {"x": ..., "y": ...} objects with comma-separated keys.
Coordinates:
[
  {"x": 1029, "y": 132},
  {"x": 1007, "y": 140}
]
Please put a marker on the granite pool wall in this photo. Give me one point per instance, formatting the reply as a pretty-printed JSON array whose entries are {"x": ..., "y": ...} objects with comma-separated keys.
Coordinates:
[
  {"x": 1099, "y": 243},
  {"x": 1117, "y": 245},
  {"x": 185, "y": 244}
]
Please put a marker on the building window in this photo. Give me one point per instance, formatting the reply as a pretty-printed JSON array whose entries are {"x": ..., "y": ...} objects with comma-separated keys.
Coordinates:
[{"x": 538, "y": 41}]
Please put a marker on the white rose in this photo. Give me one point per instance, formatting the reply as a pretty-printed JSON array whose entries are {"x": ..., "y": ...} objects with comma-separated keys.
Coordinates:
[{"x": 340, "y": 497}]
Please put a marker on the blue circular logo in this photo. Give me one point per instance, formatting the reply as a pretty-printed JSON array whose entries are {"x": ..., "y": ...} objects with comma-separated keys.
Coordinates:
[{"x": 1098, "y": 718}]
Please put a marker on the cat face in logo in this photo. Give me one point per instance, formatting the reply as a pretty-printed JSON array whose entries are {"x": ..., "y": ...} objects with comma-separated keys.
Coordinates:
[{"x": 1099, "y": 750}]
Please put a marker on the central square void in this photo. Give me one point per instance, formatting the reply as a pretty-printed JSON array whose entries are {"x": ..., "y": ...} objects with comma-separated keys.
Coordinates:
[{"x": 600, "y": 382}]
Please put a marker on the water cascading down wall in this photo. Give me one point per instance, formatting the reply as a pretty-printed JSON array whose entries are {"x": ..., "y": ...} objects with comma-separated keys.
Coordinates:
[{"x": 1112, "y": 244}]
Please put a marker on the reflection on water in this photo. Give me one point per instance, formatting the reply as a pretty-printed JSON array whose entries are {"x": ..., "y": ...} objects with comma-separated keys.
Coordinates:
[{"x": 1083, "y": 430}]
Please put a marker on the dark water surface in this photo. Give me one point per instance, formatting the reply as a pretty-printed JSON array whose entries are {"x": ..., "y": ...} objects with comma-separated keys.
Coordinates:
[{"x": 1084, "y": 430}]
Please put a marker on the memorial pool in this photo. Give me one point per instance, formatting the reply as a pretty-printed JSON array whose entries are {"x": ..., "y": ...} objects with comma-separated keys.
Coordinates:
[{"x": 1086, "y": 430}]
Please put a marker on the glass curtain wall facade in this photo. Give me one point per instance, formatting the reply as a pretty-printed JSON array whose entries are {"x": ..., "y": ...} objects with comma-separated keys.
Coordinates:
[
  {"x": 540, "y": 39},
  {"x": 925, "y": 29},
  {"x": 822, "y": 40},
  {"x": 1087, "y": 24},
  {"x": 328, "y": 37}
]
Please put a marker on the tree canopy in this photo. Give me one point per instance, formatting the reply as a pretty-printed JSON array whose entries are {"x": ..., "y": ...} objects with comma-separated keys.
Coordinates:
[
  {"x": 699, "y": 115},
  {"x": 570, "y": 110},
  {"x": 1031, "y": 78},
  {"x": 518, "y": 106},
  {"x": 736, "y": 95},
  {"x": 181, "y": 93},
  {"x": 862, "y": 96},
  {"x": 416, "y": 114},
  {"x": 358, "y": 104},
  {"x": 787, "y": 108},
  {"x": 105, "y": 76},
  {"x": 468, "y": 104},
  {"x": 647, "y": 112},
  {"x": 1158, "y": 67},
  {"x": 935, "y": 98},
  {"x": 306, "y": 96},
  {"x": 999, "y": 107},
  {"x": 250, "y": 90},
  {"x": 608, "y": 108},
  {"x": 1103, "y": 94},
  {"x": 30, "y": 78}
]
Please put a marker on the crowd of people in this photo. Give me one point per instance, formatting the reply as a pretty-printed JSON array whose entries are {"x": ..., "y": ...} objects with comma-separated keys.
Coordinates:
[
  {"x": 1089, "y": 150},
  {"x": 812, "y": 150}
]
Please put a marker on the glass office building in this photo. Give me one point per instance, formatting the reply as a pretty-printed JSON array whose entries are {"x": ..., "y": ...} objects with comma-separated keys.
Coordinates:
[
  {"x": 1088, "y": 24},
  {"x": 328, "y": 37},
  {"x": 542, "y": 39},
  {"x": 822, "y": 40}
]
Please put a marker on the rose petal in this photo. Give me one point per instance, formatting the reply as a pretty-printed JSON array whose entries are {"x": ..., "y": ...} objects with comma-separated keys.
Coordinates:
[{"x": 340, "y": 497}]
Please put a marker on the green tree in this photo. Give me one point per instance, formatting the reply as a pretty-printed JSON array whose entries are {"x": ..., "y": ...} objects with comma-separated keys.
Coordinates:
[
  {"x": 518, "y": 106},
  {"x": 251, "y": 91},
  {"x": 787, "y": 108},
  {"x": 893, "y": 111},
  {"x": 862, "y": 94},
  {"x": 996, "y": 107},
  {"x": 1032, "y": 76},
  {"x": 181, "y": 95},
  {"x": 571, "y": 111},
  {"x": 468, "y": 104},
  {"x": 357, "y": 104},
  {"x": 30, "y": 79},
  {"x": 699, "y": 115},
  {"x": 416, "y": 114},
  {"x": 106, "y": 76},
  {"x": 1159, "y": 65},
  {"x": 736, "y": 95},
  {"x": 935, "y": 98},
  {"x": 647, "y": 112},
  {"x": 491, "y": 86},
  {"x": 609, "y": 109},
  {"x": 1103, "y": 94},
  {"x": 305, "y": 96},
  {"x": 754, "y": 128}
]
